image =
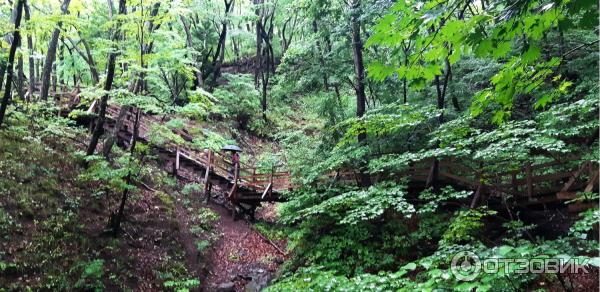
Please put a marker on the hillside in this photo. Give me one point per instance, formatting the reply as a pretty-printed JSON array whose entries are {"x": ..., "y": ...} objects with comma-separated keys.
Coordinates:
[{"x": 279, "y": 145}]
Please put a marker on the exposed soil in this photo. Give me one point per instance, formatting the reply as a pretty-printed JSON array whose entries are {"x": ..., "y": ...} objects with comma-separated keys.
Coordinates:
[{"x": 241, "y": 255}]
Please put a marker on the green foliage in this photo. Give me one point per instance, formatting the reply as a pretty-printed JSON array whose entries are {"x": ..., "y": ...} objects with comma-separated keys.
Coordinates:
[
  {"x": 493, "y": 85},
  {"x": 7, "y": 222},
  {"x": 430, "y": 273},
  {"x": 182, "y": 285},
  {"x": 583, "y": 227},
  {"x": 270, "y": 231},
  {"x": 91, "y": 277},
  {"x": 438, "y": 34},
  {"x": 192, "y": 188},
  {"x": 202, "y": 245},
  {"x": 176, "y": 277},
  {"x": 435, "y": 200},
  {"x": 161, "y": 135},
  {"x": 211, "y": 140},
  {"x": 238, "y": 99},
  {"x": 354, "y": 206},
  {"x": 466, "y": 226},
  {"x": 205, "y": 218},
  {"x": 111, "y": 177}
]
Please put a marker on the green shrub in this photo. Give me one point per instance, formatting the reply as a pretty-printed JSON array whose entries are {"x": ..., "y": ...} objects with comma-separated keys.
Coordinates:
[{"x": 91, "y": 276}]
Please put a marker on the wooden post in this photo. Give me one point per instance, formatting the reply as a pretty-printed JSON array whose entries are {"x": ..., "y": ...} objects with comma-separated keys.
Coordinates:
[
  {"x": 432, "y": 178},
  {"x": 232, "y": 193},
  {"x": 529, "y": 179},
  {"x": 515, "y": 188},
  {"x": 271, "y": 180},
  {"x": 177, "y": 158},
  {"x": 477, "y": 195},
  {"x": 207, "y": 186}
]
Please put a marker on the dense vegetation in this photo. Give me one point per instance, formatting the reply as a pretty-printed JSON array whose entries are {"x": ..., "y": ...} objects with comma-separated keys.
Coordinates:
[{"x": 375, "y": 88}]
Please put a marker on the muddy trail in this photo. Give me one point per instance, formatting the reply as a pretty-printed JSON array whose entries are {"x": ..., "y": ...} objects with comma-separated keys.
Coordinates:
[
  {"x": 239, "y": 257},
  {"x": 242, "y": 259}
]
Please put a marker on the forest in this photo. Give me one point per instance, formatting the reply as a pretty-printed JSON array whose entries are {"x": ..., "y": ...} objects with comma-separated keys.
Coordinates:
[{"x": 299, "y": 145}]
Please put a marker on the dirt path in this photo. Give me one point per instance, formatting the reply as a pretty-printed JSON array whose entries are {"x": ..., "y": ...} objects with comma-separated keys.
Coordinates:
[{"x": 241, "y": 257}]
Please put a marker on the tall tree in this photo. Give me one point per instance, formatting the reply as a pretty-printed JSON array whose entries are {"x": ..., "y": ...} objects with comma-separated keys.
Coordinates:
[
  {"x": 87, "y": 57},
  {"x": 220, "y": 53},
  {"x": 257, "y": 11},
  {"x": 51, "y": 54},
  {"x": 8, "y": 38},
  {"x": 359, "y": 69},
  {"x": 139, "y": 79},
  {"x": 30, "y": 49},
  {"x": 198, "y": 81},
  {"x": 265, "y": 59},
  {"x": 11, "y": 59},
  {"x": 110, "y": 74},
  {"x": 20, "y": 77}
]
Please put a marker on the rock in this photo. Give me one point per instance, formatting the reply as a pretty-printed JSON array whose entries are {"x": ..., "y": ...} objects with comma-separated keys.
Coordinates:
[
  {"x": 226, "y": 287},
  {"x": 251, "y": 287},
  {"x": 257, "y": 284}
]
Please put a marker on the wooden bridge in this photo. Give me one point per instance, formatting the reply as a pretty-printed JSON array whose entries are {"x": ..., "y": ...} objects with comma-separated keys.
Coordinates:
[
  {"x": 540, "y": 184},
  {"x": 247, "y": 186},
  {"x": 531, "y": 184}
]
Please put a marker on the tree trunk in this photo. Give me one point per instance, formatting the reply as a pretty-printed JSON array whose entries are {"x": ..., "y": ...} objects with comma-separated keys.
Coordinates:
[
  {"x": 112, "y": 56},
  {"x": 258, "y": 57},
  {"x": 116, "y": 220},
  {"x": 51, "y": 54},
  {"x": 198, "y": 82},
  {"x": 11, "y": 59},
  {"x": 220, "y": 53},
  {"x": 440, "y": 87},
  {"x": 137, "y": 87},
  {"x": 265, "y": 83},
  {"x": 2, "y": 72},
  {"x": 405, "y": 50},
  {"x": 92, "y": 64},
  {"x": 38, "y": 67},
  {"x": 31, "y": 60},
  {"x": 87, "y": 57},
  {"x": 112, "y": 138},
  {"x": 359, "y": 68},
  {"x": 8, "y": 38},
  {"x": 315, "y": 28},
  {"x": 20, "y": 78}
]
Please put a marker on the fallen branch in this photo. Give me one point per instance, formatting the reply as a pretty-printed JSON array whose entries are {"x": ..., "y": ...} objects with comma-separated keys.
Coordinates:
[
  {"x": 147, "y": 187},
  {"x": 268, "y": 241},
  {"x": 579, "y": 47}
]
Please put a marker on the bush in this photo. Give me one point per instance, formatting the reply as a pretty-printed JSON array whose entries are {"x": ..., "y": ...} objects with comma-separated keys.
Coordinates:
[{"x": 238, "y": 99}]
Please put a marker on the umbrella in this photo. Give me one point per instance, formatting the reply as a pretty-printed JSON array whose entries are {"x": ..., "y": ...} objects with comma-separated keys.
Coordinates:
[{"x": 233, "y": 148}]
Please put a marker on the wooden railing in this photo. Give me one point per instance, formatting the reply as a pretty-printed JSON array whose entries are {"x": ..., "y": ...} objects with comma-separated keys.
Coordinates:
[
  {"x": 215, "y": 162},
  {"x": 527, "y": 181}
]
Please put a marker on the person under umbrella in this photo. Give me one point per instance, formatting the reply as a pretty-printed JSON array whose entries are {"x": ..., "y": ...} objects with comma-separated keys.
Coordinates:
[{"x": 235, "y": 160}]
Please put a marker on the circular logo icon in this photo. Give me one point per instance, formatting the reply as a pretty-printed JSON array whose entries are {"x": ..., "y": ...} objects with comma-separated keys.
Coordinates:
[{"x": 465, "y": 266}]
